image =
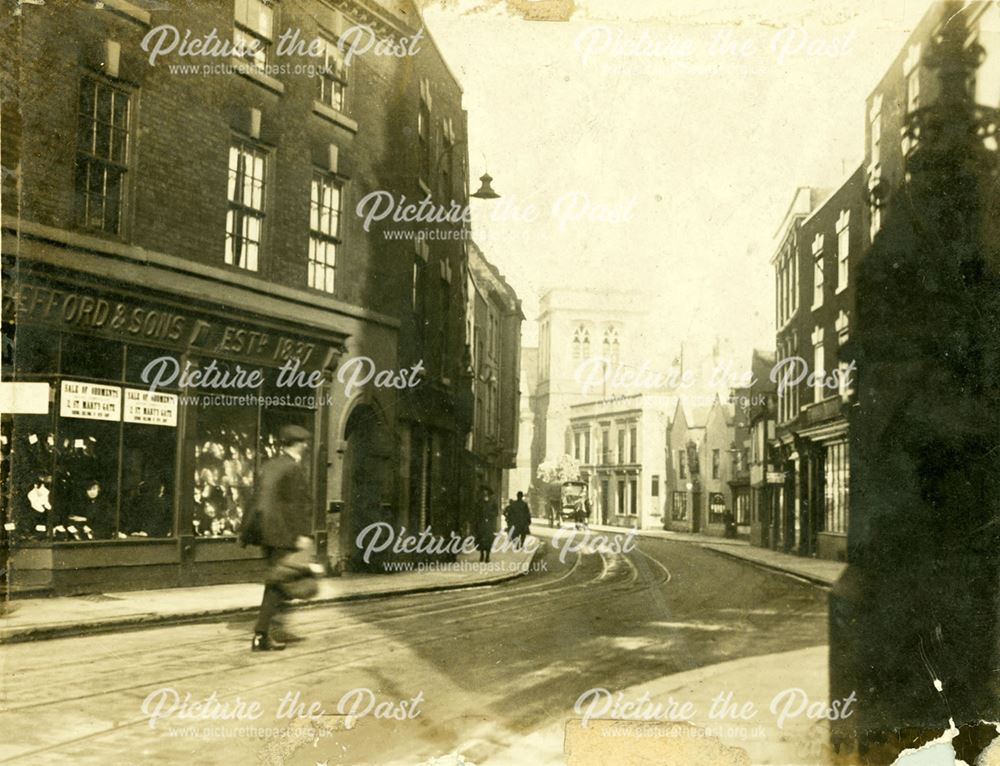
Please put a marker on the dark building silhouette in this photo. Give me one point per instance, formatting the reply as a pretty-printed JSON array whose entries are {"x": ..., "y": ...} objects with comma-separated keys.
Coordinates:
[{"x": 913, "y": 621}]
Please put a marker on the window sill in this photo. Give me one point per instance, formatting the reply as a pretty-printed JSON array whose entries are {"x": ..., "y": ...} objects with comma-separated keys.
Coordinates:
[
  {"x": 840, "y": 289},
  {"x": 233, "y": 268},
  {"x": 103, "y": 542},
  {"x": 321, "y": 291},
  {"x": 108, "y": 236},
  {"x": 332, "y": 115},
  {"x": 816, "y": 306},
  {"x": 126, "y": 9},
  {"x": 256, "y": 75}
]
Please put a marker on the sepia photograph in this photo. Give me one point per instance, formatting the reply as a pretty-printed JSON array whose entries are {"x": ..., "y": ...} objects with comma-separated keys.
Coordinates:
[{"x": 500, "y": 382}]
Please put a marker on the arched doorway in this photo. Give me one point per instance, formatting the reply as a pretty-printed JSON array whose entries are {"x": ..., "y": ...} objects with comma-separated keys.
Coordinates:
[{"x": 367, "y": 486}]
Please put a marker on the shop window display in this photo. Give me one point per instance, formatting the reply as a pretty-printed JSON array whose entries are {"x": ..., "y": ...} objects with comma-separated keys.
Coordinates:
[
  {"x": 231, "y": 447},
  {"x": 102, "y": 464},
  {"x": 225, "y": 457},
  {"x": 31, "y": 439},
  {"x": 148, "y": 454},
  {"x": 82, "y": 475},
  {"x": 86, "y": 481},
  {"x": 716, "y": 507}
]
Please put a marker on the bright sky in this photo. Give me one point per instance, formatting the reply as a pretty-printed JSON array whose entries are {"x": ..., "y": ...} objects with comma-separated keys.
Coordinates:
[{"x": 696, "y": 151}]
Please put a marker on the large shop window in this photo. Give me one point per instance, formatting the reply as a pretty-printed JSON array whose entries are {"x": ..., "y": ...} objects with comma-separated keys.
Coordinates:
[
  {"x": 101, "y": 464},
  {"x": 28, "y": 478},
  {"x": 225, "y": 462},
  {"x": 679, "y": 506},
  {"x": 236, "y": 434},
  {"x": 742, "y": 501},
  {"x": 837, "y": 472},
  {"x": 716, "y": 507}
]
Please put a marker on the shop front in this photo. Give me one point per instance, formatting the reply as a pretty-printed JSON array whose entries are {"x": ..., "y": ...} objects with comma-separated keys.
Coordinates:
[
  {"x": 829, "y": 479},
  {"x": 161, "y": 410},
  {"x": 783, "y": 493}
]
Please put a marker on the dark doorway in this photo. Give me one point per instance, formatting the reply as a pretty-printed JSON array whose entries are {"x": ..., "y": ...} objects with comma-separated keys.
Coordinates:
[{"x": 365, "y": 486}]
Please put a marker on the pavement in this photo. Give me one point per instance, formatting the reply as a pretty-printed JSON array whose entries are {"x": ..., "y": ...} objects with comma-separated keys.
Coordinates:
[
  {"x": 820, "y": 572},
  {"x": 56, "y": 617},
  {"x": 777, "y": 728}
]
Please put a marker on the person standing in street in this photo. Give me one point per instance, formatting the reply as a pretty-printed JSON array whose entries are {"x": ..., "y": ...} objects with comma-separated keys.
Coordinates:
[
  {"x": 284, "y": 502},
  {"x": 486, "y": 524},
  {"x": 520, "y": 521}
]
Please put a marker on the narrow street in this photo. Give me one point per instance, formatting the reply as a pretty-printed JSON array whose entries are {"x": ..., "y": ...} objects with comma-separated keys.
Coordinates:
[{"x": 489, "y": 667}]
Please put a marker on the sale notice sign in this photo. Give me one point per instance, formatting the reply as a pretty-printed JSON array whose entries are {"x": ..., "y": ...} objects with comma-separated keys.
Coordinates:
[
  {"x": 150, "y": 407},
  {"x": 90, "y": 401}
]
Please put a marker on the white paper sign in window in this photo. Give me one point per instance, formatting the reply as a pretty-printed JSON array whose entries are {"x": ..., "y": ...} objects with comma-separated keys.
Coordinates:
[
  {"x": 153, "y": 408},
  {"x": 90, "y": 401}
]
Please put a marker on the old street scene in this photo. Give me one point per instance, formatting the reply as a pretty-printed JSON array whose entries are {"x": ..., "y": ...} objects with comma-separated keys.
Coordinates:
[{"x": 441, "y": 382}]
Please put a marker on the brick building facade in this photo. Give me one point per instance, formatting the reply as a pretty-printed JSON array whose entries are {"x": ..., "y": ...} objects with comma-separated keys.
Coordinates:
[
  {"x": 203, "y": 208},
  {"x": 821, "y": 243}
]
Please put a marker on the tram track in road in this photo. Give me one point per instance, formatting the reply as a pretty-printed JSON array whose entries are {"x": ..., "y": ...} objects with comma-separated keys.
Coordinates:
[
  {"x": 543, "y": 595},
  {"x": 472, "y": 595},
  {"x": 412, "y": 641},
  {"x": 556, "y": 594},
  {"x": 298, "y": 607}
]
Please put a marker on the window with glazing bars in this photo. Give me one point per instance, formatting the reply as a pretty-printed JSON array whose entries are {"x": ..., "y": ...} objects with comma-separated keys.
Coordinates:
[
  {"x": 245, "y": 219},
  {"x": 102, "y": 154},
  {"x": 332, "y": 81},
  {"x": 324, "y": 231},
  {"x": 253, "y": 29}
]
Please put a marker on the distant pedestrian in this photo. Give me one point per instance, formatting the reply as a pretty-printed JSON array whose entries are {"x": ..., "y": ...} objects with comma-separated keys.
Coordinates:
[
  {"x": 284, "y": 502},
  {"x": 486, "y": 524},
  {"x": 730, "y": 521},
  {"x": 520, "y": 515}
]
